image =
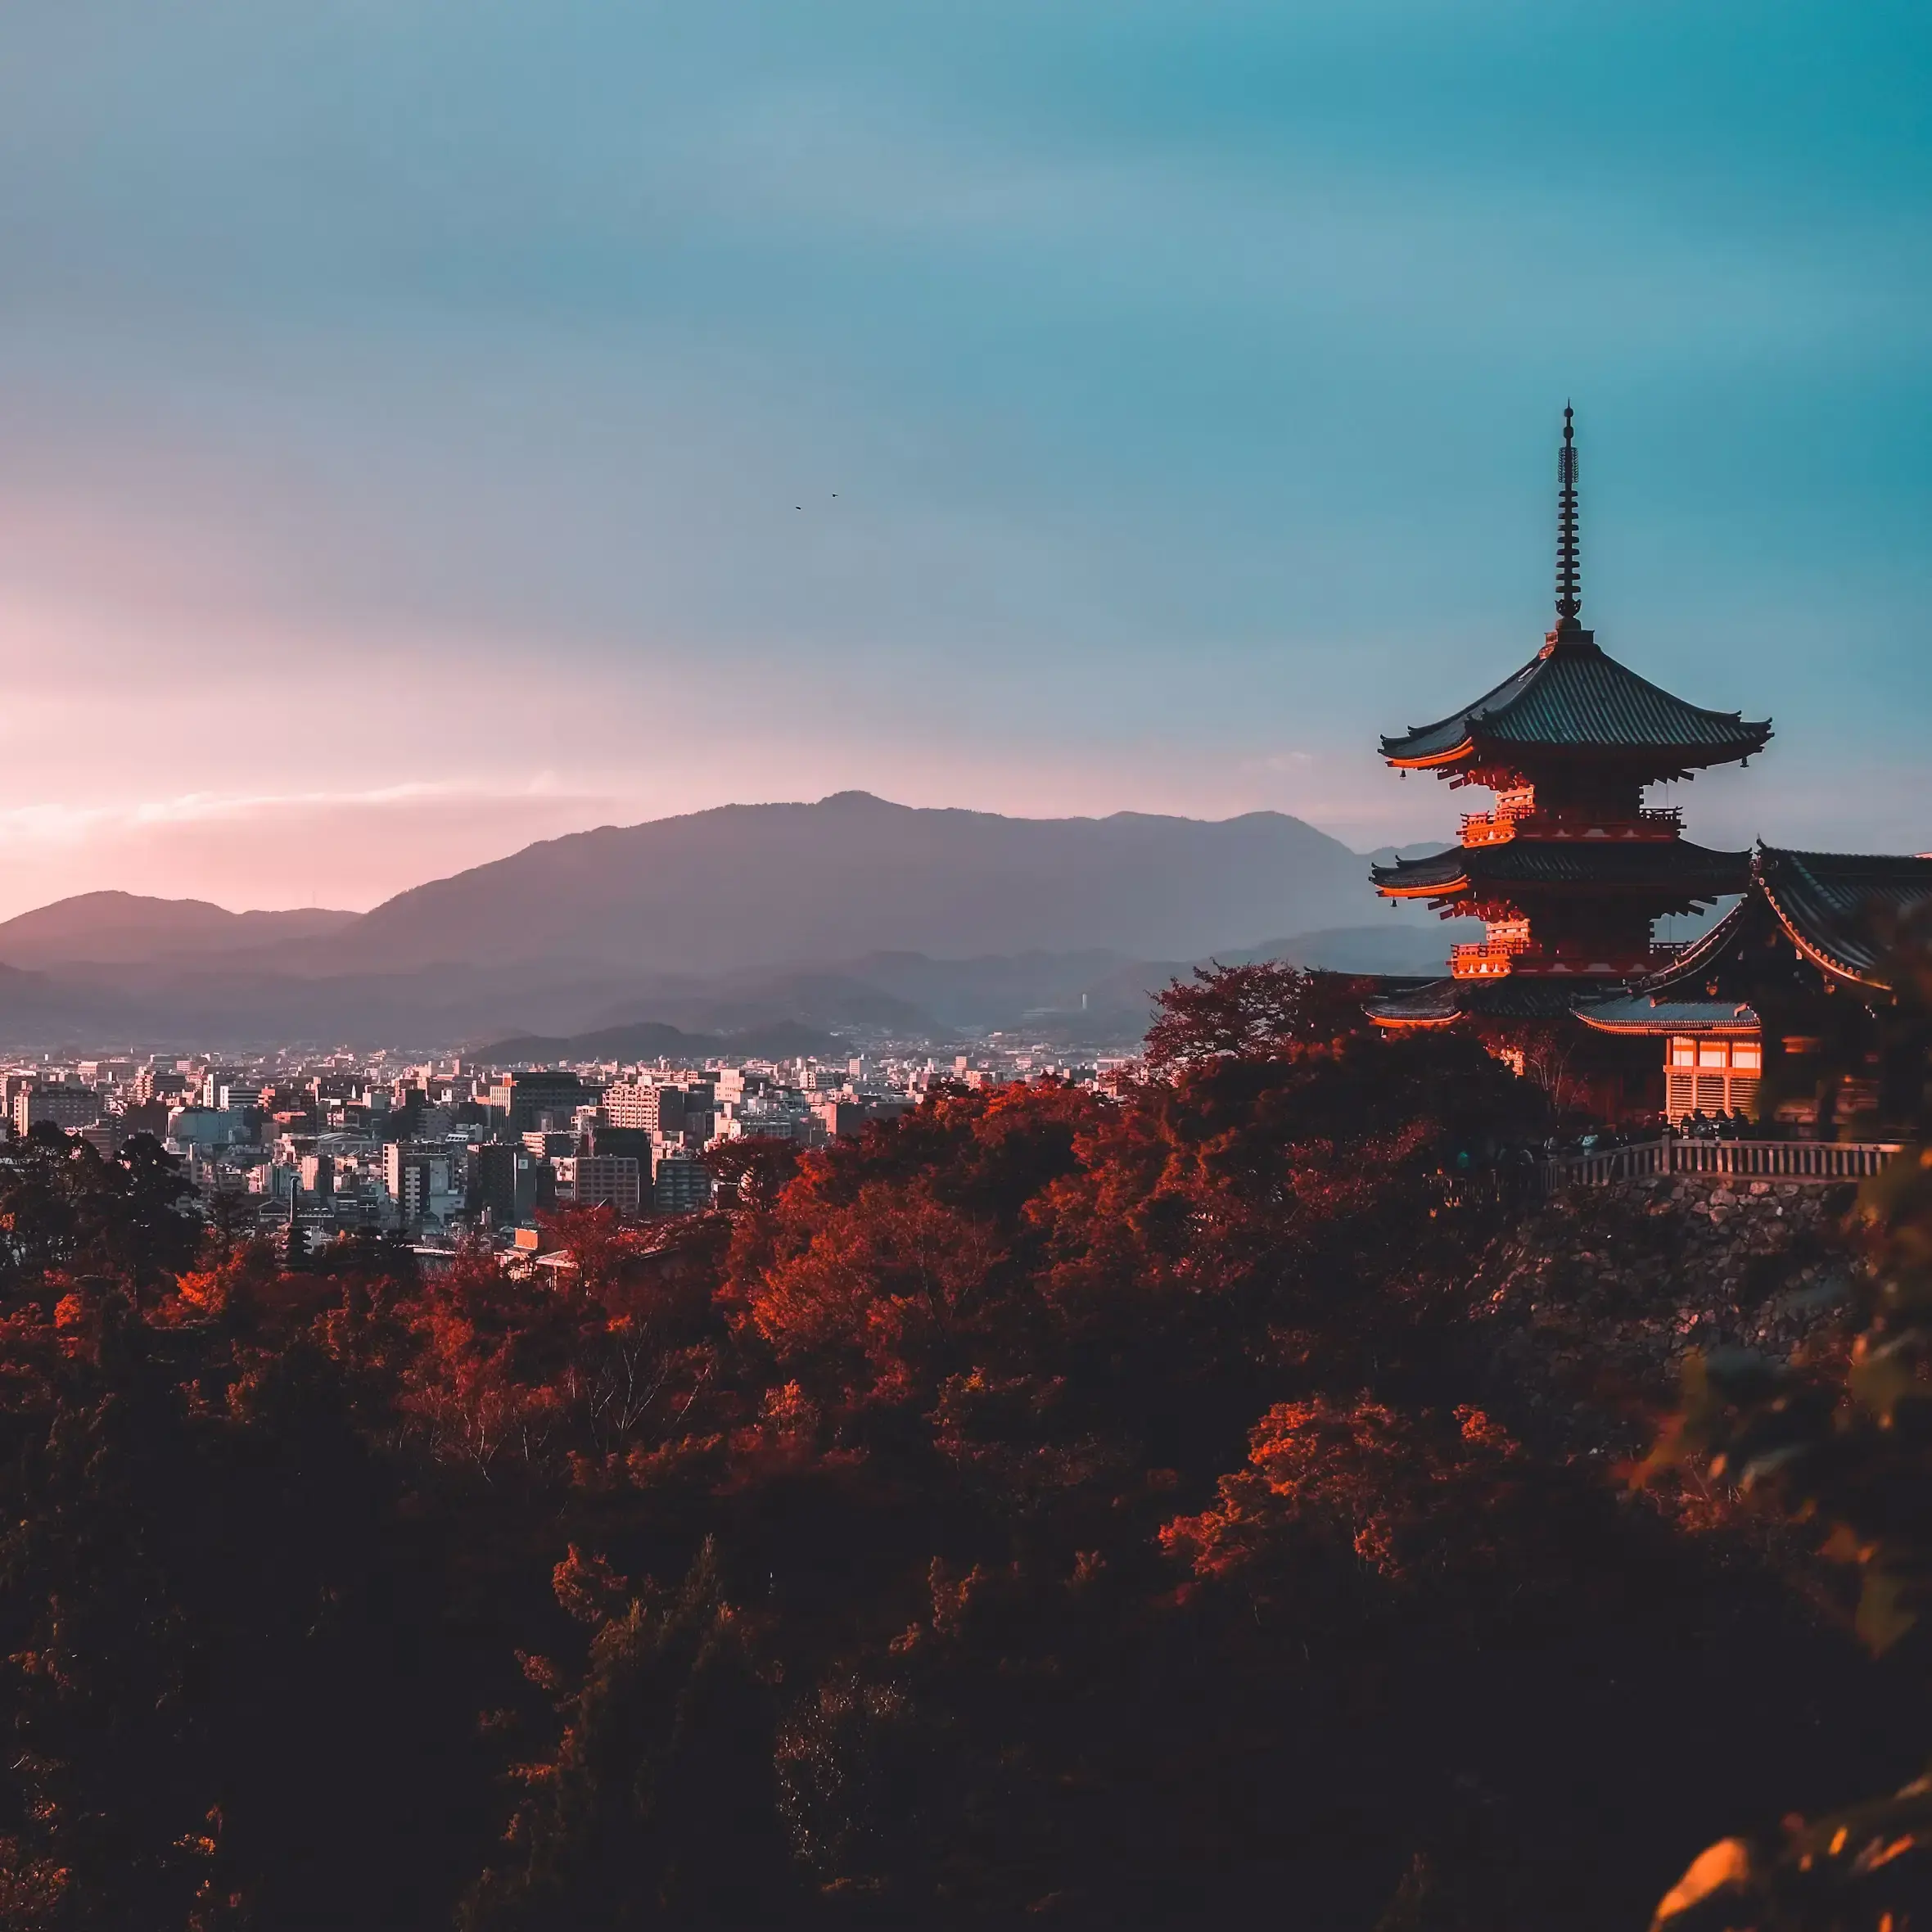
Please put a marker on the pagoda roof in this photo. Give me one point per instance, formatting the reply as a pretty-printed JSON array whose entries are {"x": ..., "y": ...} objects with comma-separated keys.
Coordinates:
[
  {"x": 1835, "y": 908},
  {"x": 1643, "y": 1013},
  {"x": 1693, "y": 869},
  {"x": 1573, "y": 697}
]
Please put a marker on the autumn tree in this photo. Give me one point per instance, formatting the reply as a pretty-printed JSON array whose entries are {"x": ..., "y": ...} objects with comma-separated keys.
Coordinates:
[{"x": 1252, "y": 1011}]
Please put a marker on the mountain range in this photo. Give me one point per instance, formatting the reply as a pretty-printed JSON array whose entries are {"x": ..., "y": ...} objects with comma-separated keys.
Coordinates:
[{"x": 851, "y": 913}]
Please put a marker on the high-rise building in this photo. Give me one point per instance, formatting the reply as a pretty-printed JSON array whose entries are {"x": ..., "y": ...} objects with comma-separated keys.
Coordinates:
[
  {"x": 680, "y": 1184},
  {"x": 67, "y": 1106},
  {"x": 157, "y": 1083},
  {"x": 504, "y": 1181},
  {"x": 213, "y": 1081},
  {"x": 608, "y": 1179},
  {"x": 146, "y": 1117},
  {"x": 645, "y": 1106},
  {"x": 418, "y": 1179},
  {"x": 524, "y": 1098}
]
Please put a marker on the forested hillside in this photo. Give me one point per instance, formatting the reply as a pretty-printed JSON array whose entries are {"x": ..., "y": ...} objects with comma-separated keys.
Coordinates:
[{"x": 1043, "y": 1509}]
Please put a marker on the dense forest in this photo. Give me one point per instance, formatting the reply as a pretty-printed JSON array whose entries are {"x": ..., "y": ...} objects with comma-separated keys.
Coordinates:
[{"x": 1045, "y": 1508}]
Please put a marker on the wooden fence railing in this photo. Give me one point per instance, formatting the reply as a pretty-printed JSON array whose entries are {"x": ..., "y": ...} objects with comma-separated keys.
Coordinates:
[{"x": 1745, "y": 1160}]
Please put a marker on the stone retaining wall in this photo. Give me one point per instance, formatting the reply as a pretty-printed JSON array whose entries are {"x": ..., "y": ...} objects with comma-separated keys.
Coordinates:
[{"x": 1591, "y": 1304}]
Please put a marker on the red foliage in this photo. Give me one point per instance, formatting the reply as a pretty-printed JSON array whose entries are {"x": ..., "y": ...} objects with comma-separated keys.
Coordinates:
[
  {"x": 1083, "y": 1507},
  {"x": 1252, "y": 1012},
  {"x": 1413, "y": 1496}
]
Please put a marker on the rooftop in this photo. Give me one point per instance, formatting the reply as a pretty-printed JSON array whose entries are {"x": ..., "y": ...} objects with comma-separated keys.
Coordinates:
[
  {"x": 1641, "y": 1012},
  {"x": 1573, "y": 697},
  {"x": 1444, "y": 1001},
  {"x": 1839, "y": 909}
]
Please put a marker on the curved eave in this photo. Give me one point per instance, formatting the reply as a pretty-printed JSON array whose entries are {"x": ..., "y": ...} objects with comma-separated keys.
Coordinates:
[
  {"x": 1433, "y": 761},
  {"x": 1734, "y": 1028},
  {"x": 1701, "y": 952},
  {"x": 1517, "y": 866},
  {"x": 1683, "y": 758},
  {"x": 1659, "y": 762},
  {"x": 1449, "y": 889},
  {"x": 1820, "y": 956},
  {"x": 1425, "y": 1007}
]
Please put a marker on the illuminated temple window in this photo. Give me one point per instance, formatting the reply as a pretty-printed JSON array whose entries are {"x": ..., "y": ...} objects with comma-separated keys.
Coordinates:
[{"x": 1711, "y": 1076}]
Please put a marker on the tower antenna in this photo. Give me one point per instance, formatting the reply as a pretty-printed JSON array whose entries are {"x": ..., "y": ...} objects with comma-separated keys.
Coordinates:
[{"x": 1570, "y": 576}]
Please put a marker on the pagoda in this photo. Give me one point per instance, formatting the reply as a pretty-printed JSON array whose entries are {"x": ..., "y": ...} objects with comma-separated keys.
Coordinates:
[{"x": 1570, "y": 869}]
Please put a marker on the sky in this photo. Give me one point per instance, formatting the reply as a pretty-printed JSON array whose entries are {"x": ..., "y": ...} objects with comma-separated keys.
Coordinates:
[{"x": 427, "y": 426}]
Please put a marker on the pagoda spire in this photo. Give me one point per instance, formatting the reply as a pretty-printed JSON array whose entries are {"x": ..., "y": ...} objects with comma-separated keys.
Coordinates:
[{"x": 1570, "y": 577}]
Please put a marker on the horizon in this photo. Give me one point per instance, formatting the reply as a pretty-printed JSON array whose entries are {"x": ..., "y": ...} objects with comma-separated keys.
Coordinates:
[{"x": 430, "y": 433}]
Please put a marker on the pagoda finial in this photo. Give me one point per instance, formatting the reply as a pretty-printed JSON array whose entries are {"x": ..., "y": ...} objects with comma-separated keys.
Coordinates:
[{"x": 1570, "y": 580}]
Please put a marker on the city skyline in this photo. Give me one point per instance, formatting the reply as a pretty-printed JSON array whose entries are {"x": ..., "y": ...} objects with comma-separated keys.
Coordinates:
[{"x": 428, "y": 431}]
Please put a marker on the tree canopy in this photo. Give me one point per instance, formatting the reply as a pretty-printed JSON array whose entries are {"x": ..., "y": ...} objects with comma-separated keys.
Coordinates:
[{"x": 1046, "y": 1506}]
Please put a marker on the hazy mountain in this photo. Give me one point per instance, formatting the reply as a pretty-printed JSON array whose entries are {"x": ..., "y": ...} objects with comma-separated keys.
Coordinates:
[
  {"x": 1396, "y": 947},
  {"x": 989, "y": 990},
  {"x": 1086, "y": 996},
  {"x": 38, "y": 1009},
  {"x": 768, "y": 884},
  {"x": 851, "y": 914},
  {"x": 835, "y": 997},
  {"x": 125, "y": 928},
  {"x": 1123, "y": 999}
]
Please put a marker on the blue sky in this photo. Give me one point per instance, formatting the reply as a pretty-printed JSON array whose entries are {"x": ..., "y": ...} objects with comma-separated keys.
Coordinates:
[{"x": 426, "y": 426}]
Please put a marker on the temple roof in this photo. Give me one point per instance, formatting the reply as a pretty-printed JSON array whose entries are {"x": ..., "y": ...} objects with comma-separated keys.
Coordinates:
[
  {"x": 1693, "y": 869},
  {"x": 1574, "y": 697},
  {"x": 1444, "y": 1001},
  {"x": 1836, "y": 908},
  {"x": 1837, "y": 904},
  {"x": 1641, "y": 1012}
]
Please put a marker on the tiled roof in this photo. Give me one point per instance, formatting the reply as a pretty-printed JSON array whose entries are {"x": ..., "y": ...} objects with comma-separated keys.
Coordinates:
[
  {"x": 1433, "y": 1005},
  {"x": 1838, "y": 907},
  {"x": 1835, "y": 907},
  {"x": 1639, "y": 1012},
  {"x": 1675, "y": 862},
  {"x": 1575, "y": 696}
]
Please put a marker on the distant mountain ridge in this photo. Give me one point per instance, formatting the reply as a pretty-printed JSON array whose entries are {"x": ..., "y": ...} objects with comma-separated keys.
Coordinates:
[
  {"x": 851, "y": 913},
  {"x": 745, "y": 885},
  {"x": 128, "y": 928}
]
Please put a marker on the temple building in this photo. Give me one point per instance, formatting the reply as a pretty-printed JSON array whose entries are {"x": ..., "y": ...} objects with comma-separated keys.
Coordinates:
[
  {"x": 1570, "y": 869},
  {"x": 1785, "y": 1009}
]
